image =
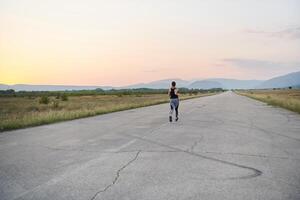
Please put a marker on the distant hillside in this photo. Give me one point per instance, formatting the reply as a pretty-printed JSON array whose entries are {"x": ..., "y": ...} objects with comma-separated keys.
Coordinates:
[
  {"x": 200, "y": 84},
  {"x": 4, "y": 87},
  {"x": 160, "y": 84},
  {"x": 237, "y": 84},
  {"x": 205, "y": 84},
  {"x": 26, "y": 87},
  {"x": 289, "y": 80},
  {"x": 292, "y": 79}
]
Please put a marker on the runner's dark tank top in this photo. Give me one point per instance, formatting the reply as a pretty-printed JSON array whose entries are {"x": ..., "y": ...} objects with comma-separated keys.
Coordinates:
[{"x": 172, "y": 94}]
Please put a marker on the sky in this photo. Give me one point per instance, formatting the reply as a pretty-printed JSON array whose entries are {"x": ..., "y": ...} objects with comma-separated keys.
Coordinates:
[{"x": 122, "y": 42}]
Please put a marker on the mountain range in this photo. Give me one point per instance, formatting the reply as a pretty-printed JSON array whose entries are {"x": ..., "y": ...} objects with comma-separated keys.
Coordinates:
[
  {"x": 288, "y": 80},
  {"x": 28, "y": 87}
]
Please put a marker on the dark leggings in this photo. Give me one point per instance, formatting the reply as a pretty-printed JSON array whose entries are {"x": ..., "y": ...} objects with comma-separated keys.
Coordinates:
[{"x": 176, "y": 110}]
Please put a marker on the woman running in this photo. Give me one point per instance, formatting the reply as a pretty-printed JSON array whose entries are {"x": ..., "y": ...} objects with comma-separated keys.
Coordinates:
[{"x": 174, "y": 101}]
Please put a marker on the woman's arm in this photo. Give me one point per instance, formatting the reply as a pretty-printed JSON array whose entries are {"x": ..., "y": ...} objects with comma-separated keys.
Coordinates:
[{"x": 176, "y": 91}]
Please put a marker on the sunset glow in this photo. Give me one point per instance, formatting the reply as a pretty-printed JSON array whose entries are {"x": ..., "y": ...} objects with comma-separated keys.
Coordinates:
[{"x": 120, "y": 42}]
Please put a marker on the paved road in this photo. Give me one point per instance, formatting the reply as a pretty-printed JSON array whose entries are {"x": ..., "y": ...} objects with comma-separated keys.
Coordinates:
[{"x": 223, "y": 147}]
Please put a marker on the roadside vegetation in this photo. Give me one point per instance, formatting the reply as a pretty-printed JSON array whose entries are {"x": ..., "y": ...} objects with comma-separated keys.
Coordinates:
[
  {"x": 25, "y": 109},
  {"x": 285, "y": 98}
]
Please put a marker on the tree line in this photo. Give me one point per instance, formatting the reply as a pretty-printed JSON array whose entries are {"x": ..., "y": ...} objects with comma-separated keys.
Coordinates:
[{"x": 99, "y": 91}]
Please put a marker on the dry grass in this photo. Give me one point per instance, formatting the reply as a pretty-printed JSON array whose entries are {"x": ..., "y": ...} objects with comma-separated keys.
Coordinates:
[
  {"x": 20, "y": 112},
  {"x": 289, "y": 99}
]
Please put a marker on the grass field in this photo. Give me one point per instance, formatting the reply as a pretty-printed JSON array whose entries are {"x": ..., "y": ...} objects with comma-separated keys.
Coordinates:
[
  {"x": 20, "y": 112},
  {"x": 289, "y": 99}
]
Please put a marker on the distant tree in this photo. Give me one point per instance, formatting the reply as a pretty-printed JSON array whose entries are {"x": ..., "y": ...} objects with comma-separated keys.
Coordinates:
[
  {"x": 10, "y": 91},
  {"x": 44, "y": 99},
  {"x": 64, "y": 97},
  {"x": 99, "y": 90},
  {"x": 57, "y": 96}
]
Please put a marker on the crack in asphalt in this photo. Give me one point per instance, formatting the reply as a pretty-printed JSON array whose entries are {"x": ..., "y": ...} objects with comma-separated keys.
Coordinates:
[
  {"x": 116, "y": 177},
  {"x": 112, "y": 152},
  {"x": 195, "y": 144},
  {"x": 256, "y": 172},
  {"x": 191, "y": 149},
  {"x": 215, "y": 152},
  {"x": 252, "y": 155},
  {"x": 150, "y": 151},
  {"x": 272, "y": 136},
  {"x": 274, "y": 133},
  {"x": 252, "y": 127}
]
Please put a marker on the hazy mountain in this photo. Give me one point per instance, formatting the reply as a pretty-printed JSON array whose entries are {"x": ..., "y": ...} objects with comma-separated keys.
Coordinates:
[
  {"x": 27, "y": 87},
  {"x": 237, "y": 84},
  {"x": 292, "y": 79},
  {"x": 205, "y": 84},
  {"x": 4, "y": 87},
  {"x": 160, "y": 84},
  {"x": 200, "y": 84}
]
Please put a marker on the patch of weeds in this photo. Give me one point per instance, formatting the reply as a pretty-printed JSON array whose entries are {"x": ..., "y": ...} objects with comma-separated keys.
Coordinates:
[{"x": 44, "y": 100}]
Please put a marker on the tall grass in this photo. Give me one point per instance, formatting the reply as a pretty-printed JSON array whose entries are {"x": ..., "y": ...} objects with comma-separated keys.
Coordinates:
[
  {"x": 288, "y": 99},
  {"x": 20, "y": 112}
]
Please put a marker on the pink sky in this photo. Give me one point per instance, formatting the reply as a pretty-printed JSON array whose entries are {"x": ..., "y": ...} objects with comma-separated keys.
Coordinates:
[{"x": 121, "y": 42}]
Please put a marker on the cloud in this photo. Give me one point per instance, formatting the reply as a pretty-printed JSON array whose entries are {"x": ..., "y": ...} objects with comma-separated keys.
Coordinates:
[{"x": 290, "y": 33}]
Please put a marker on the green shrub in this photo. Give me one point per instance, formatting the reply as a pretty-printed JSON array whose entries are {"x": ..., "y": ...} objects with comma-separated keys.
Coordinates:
[
  {"x": 57, "y": 96},
  {"x": 64, "y": 97},
  {"x": 44, "y": 100}
]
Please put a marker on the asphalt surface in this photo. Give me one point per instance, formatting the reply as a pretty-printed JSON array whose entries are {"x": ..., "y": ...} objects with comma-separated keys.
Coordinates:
[{"x": 223, "y": 147}]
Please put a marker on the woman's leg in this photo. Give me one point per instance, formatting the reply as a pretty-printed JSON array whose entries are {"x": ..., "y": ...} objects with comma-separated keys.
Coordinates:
[
  {"x": 176, "y": 109},
  {"x": 171, "y": 109},
  {"x": 172, "y": 106}
]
